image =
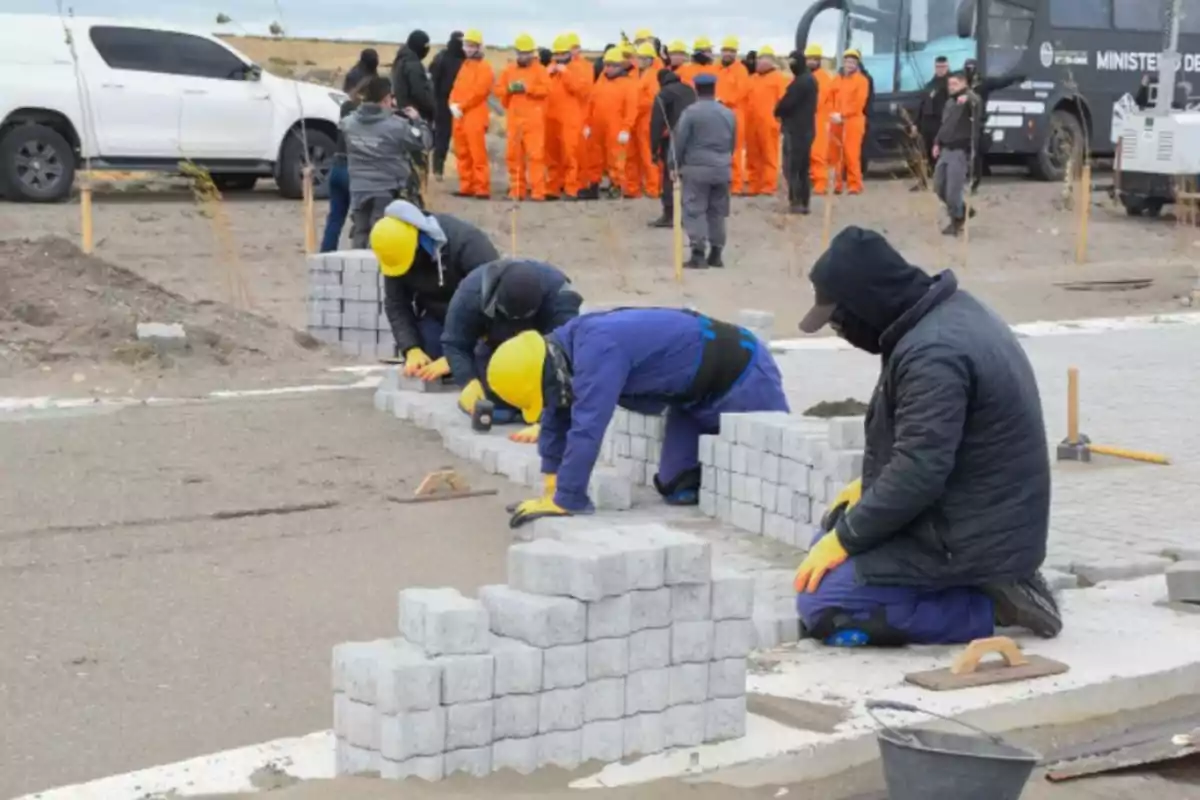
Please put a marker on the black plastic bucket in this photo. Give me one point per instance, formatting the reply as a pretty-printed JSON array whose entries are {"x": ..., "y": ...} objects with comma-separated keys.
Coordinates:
[{"x": 929, "y": 765}]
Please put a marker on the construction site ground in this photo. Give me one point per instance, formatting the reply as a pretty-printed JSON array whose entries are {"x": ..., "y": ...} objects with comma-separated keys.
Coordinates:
[{"x": 140, "y": 630}]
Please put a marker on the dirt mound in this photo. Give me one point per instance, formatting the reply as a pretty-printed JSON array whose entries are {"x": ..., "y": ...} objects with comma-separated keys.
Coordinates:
[
  {"x": 59, "y": 305},
  {"x": 837, "y": 408}
]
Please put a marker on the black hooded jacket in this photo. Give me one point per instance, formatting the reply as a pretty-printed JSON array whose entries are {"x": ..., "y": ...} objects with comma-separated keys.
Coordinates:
[
  {"x": 426, "y": 288},
  {"x": 673, "y": 97},
  {"x": 444, "y": 70},
  {"x": 475, "y": 314},
  {"x": 797, "y": 109},
  {"x": 956, "y": 472},
  {"x": 933, "y": 103},
  {"x": 410, "y": 83},
  {"x": 367, "y": 67}
]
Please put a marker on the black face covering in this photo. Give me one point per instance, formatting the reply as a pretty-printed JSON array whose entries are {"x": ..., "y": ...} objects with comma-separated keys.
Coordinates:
[{"x": 856, "y": 331}]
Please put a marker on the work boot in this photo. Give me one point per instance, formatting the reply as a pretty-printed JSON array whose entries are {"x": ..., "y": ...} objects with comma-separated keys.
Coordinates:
[
  {"x": 797, "y": 208},
  {"x": 662, "y": 222},
  {"x": 697, "y": 259},
  {"x": 714, "y": 257},
  {"x": 954, "y": 228},
  {"x": 591, "y": 192},
  {"x": 1027, "y": 604}
]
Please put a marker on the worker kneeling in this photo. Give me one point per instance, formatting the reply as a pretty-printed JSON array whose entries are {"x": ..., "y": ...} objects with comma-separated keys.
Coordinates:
[
  {"x": 646, "y": 360},
  {"x": 943, "y": 539},
  {"x": 493, "y": 304}
]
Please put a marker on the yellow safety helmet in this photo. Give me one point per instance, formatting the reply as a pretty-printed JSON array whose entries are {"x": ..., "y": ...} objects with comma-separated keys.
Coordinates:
[
  {"x": 643, "y": 33},
  {"x": 677, "y": 46},
  {"x": 766, "y": 50},
  {"x": 646, "y": 50},
  {"x": 730, "y": 43},
  {"x": 394, "y": 243},
  {"x": 854, "y": 53},
  {"x": 627, "y": 49},
  {"x": 514, "y": 373},
  {"x": 572, "y": 39},
  {"x": 702, "y": 43},
  {"x": 473, "y": 36},
  {"x": 562, "y": 43},
  {"x": 814, "y": 51},
  {"x": 613, "y": 56},
  {"x": 524, "y": 44}
]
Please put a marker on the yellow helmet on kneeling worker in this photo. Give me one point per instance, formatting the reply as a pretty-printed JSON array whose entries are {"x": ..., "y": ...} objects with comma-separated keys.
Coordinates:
[
  {"x": 394, "y": 243},
  {"x": 515, "y": 372}
]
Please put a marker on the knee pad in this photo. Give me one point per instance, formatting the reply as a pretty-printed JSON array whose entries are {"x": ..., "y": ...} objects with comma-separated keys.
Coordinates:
[
  {"x": 838, "y": 627},
  {"x": 684, "y": 490}
]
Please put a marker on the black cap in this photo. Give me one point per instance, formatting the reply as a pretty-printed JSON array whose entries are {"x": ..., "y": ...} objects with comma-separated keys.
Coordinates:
[
  {"x": 863, "y": 271},
  {"x": 519, "y": 293},
  {"x": 941, "y": 60}
]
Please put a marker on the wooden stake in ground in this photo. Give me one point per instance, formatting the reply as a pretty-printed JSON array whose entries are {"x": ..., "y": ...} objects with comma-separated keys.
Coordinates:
[
  {"x": 86, "y": 230},
  {"x": 310, "y": 211},
  {"x": 1083, "y": 202},
  {"x": 827, "y": 223},
  {"x": 677, "y": 226},
  {"x": 512, "y": 230}
]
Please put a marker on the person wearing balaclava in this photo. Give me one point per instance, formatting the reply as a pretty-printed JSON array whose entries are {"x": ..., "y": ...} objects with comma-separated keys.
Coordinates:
[
  {"x": 442, "y": 71},
  {"x": 410, "y": 82},
  {"x": 942, "y": 538},
  {"x": 797, "y": 113},
  {"x": 490, "y": 306},
  {"x": 367, "y": 67},
  {"x": 983, "y": 88}
]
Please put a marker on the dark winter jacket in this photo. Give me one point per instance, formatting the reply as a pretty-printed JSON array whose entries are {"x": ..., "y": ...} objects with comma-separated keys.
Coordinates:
[
  {"x": 956, "y": 471},
  {"x": 339, "y": 154},
  {"x": 673, "y": 97},
  {"x": 797, "y": 109},
  {"x": 475, "y": 316},
  {"x": 410, "y": 83},
  {"x": 367, "y": 67},
  {"x": 933, "y": 103},
  {"x": 429, "y": 285},
  {"x": 444, "y": 70},
  {"x": 959, "y": 123}
]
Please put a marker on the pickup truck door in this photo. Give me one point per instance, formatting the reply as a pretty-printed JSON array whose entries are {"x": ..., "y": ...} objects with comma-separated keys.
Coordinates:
[{"x": 228, "y": 111}]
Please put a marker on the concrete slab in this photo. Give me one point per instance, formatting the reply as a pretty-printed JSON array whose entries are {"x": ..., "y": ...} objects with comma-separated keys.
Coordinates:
[{"x": 1105, "y": 678}]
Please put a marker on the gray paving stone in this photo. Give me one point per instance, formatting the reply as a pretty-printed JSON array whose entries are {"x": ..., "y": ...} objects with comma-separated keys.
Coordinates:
[
  {"x": 560, "y": 710},
  {"x": 415, "y": 733},
  {"x": 476, "y": 762},
  {"x": 564, "y": 667},
  {"x": 684, "y": 725},
  {"x": 603, "y": 740},
  {"x": 604, "y": 699},
  {"x": 650, "y": 649},
  {"x": 1183, "y": 582},
  {"x": 426, "y": 768},
  {"x": 518, "y": 755},
  {"x": 645, "y": 734},
  {"x": 647, "y": 690},
  {"x": 1110, "y": 569},
  {"x": 607, "y": 658},
  {"x": 515, "y": 716},
  {"x": 563, "y": 749},
  {"x": 469, "y": 725}
]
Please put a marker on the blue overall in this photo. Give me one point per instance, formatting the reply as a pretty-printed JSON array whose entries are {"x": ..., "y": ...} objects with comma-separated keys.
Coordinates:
[
  {"x": 644, "y": 360},
  {"x": 916, "y": 616},
  {"x": 431, "y": 336}
]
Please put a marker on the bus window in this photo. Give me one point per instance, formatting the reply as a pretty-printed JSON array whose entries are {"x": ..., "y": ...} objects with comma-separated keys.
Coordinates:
[
  {"x": 1091, "y": 14},
  {"x": 932, "y": 31},
  {"x": 1139, "y": 15},
  {"x": 1010, "y": 28}
]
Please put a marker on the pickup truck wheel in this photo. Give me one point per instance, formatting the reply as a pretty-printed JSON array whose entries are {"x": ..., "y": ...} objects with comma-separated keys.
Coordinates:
[
  {"x": 234, "y": 182},
  {"x": 37, "y": 165},
  {"x": 291, "y": 164}
]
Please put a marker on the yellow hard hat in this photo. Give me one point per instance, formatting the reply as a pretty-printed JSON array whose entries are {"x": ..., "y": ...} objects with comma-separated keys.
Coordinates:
[
  {"x": 473, "y": 36},
  {"x": 854, "y": 53},
  {"x": 525, "y": 44},
  {"x": 613, "y": 56},
  {"x": 562, "y": 43},
  {"x": 514, "y": 373},
  {"x": 766, "y": 50},
  {"x": 643, "y": 33},
  {"x": 627, "y": 48},
  {"x": 729, "y": 43},
  {"x": 572, "y": 39},
  {"x": 702, "y": 43},
  {"x": 677, "y": 46},
  {"x": 646, "y": 50},
  {"x": 394, "y": 243},
  {"x": 814, "y": 51}
]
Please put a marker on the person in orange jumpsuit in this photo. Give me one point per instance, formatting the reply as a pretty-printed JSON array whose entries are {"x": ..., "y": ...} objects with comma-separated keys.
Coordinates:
[
  {"x": 767, "y": 88},
  {"x": 469, "y": 108},
  {"x": 733, "y": 83},
  {"x": 629, "y": 53},
  {"x": 644, "y": 174},
  {"x": 643, "y": 35},
  {"x": 823, "y": 155},
  {"x": 522, "y": 88},
  {"x": 569, "y": 88},
  {"x": 850, "y": 93},
  {"x": 612, "y": 112},
  {"x": 702, "y": 61}
]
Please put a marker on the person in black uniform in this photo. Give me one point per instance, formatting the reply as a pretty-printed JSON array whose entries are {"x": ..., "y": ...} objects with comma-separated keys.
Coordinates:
[
  {"x": 796, "y": 111},
  {"x": 929, "y": 120},
  {"x": 443, "y": 71},
  {"x": 673, "y": 97}
]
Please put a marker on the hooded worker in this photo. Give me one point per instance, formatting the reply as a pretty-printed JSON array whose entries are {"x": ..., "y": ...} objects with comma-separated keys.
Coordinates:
[
  {"x": 493, "y": 304},
  {"x": 612, "y": 112},
  {"x": 443, "y": 72},
  {"x": 767, "y": 88},
  {"x": 410, "y": 81},
  {"x": 423, "y": 258},
  {"x": 469, "y": 108},
  {"x": 647, "y": 360},
  {"x": 851, "y": 91},
  {"x": 522, "y": 89},
  {"x": 733, "y": 84},
  {"x": 570, "y": 84},
  {"x": 942, "y": 538},
  {"x": 367, "y": 67},
  {"x": 823, "y": 154},
  {"x": 797, "y": 114},
  {"x": 673, "y": 97},
  {"x": 645, "y": 172}
]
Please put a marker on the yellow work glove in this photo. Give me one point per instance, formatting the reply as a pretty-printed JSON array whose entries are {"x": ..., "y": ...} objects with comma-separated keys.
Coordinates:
[
  {"x": 846, "y": 499},
  {"x": 530, "y": 510},
  {"x": 527, "y": 435},
  {"x": 549, "y": 487},
  {"x": 825, "y": 555},
  {"x": 414, "y": 360},
  {"x": 471, "y": 394},
  {"x": 435, "y": 370}
]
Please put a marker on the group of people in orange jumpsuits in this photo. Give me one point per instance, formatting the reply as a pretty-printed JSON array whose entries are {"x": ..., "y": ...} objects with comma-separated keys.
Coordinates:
[{"x": 571, "y": 122}]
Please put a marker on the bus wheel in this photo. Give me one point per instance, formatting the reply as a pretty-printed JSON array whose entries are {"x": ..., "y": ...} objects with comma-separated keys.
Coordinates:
[{"x": 1063, "y": 146}]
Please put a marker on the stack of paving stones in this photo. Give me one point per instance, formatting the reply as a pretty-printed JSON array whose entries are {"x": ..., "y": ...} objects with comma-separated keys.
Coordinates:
[
  {"x": 633, "y": 445},
  {"x": 774, "y": 474},
  {"x": 345, "y": 303},
  {"x": 603, "y": 645}
]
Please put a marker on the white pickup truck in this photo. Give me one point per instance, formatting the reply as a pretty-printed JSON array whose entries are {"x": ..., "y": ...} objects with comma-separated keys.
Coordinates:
[{"x": 146, "y": 98}]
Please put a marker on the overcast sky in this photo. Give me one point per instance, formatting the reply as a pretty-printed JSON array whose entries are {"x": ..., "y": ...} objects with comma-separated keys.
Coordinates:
[{"x": 763, "y": 22}]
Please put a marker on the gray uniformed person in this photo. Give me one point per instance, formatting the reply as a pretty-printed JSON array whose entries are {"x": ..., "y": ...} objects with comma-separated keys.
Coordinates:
[{"x": 704, "y": 141}]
